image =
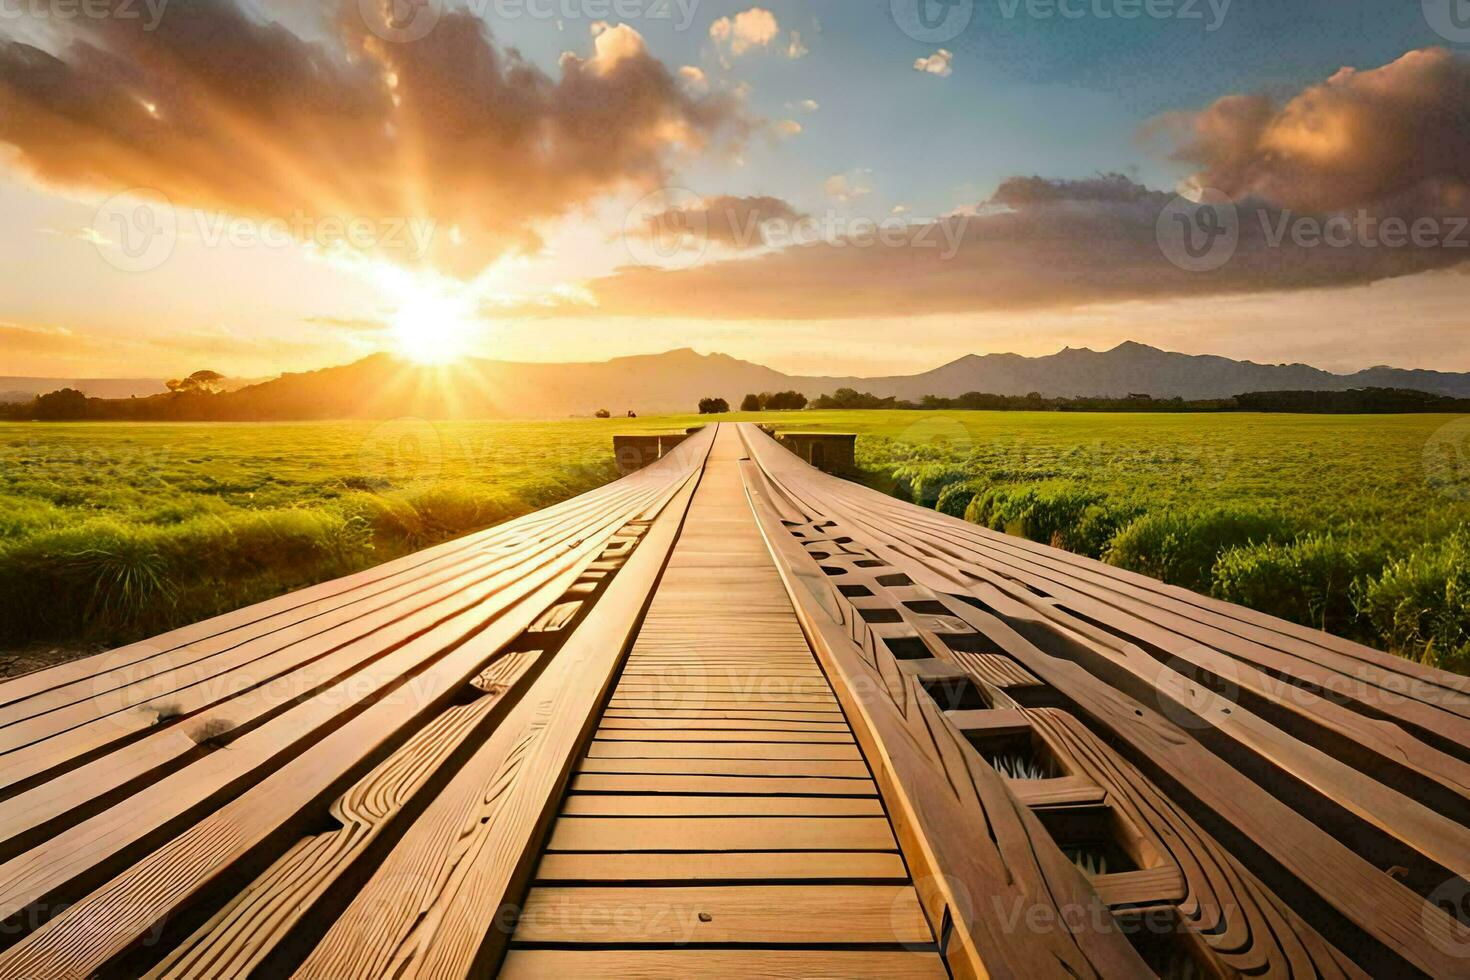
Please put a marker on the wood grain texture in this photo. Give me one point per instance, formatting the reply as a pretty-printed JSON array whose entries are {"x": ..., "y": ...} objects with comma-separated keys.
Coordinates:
[{"x": 1345, "y": 775}]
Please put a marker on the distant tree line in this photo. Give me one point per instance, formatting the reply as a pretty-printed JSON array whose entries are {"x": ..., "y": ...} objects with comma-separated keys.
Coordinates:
[
  {"x": 779, "y": 401},
  {"x": 1365, "y": 401},
  {"x": 200, "y": 398}
]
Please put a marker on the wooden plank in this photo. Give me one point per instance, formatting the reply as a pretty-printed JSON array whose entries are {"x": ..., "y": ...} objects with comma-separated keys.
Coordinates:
[
  {"x": 611, "y": 723},
  {"x": 721, "y": 750},
  {"x": 694, "y": 715},
  {"x": 826, "y": 914},
  {"x": 792, "y": 866},
  {"x": 1152, "y": 886},
  {"x": 1061, "y": 791},
  {"x": 672, "y": 964},
  {"x": 727, "y": 767},
  {"x": 673, "y": 805},
  {"x": 690, "y": 735},
  {"x": 744, "y": 785},
  {"x": 624, "y": 834}
]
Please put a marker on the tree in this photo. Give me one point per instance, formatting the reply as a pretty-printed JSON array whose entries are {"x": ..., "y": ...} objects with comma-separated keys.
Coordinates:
[
  {"x": 752, "y": 403},
  {"x": 604, "y": 414},
  {"x": 198, "y": 383},
  {"x": 786, "y": 401},
  {"x": 63, "y": 405},
  {"x": 713, "y": 406}
]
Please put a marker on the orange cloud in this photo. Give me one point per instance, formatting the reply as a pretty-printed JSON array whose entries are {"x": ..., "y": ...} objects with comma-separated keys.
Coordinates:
[
  {"x": 1392, "y": 137},
  {"x": 219, "y": 111}
]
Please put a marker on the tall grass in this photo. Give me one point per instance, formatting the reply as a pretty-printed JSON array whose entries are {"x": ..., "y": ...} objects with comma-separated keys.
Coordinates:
[
  {"x": 109, "y": 534},
  {"x": 1337, "y": 523}
]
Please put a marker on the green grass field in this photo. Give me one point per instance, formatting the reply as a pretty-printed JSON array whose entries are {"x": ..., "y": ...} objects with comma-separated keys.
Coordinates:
[{"x": 112, "y": 532}]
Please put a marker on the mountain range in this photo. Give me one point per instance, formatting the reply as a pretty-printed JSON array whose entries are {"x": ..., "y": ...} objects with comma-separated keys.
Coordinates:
[{"x": 382, "y": 386}]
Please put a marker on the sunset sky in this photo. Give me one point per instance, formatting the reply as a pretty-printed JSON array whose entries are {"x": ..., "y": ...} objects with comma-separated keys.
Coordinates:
[{"x": 255, "y": 186}]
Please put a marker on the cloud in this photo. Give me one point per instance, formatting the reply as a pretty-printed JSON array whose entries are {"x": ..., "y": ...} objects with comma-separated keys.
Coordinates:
[
  {"x": 797, "y": 48},
  {"x": 749, "y": 29},
  {"x": 254, "y": 120},
  {"x": 1391, "y": 138},
  {"x": 356, "y": 324},
  {"x": 1330, "y": 190},
  {"x": 1036, "y": 244},
  {"x": 787, "y": 128},
  {"x": 805, "y": 105},
  {"x": 695, "y": 80},
  {"x": 848, "y": 187},
  {"x": 939, "y": 63},
  {"x": 726, "y": 220},
  {"x": 30, "y": 340}
]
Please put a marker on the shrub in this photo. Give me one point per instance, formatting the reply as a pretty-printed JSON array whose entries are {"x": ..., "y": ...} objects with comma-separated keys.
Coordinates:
[
  {"x": 1093, "y": 531},
  {"x": 955, "y": 498},
  {"x": 1310, "y": 580},
  {"x": 1054, "y": 511},
  {"x": 1420, "y": 605},
  {"x": 924, "y": 481},
  {"x": 1181, "y": 546}
]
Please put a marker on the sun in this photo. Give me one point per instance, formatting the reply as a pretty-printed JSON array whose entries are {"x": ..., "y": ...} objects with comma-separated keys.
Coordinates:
[{"x": 432, "y": 328}]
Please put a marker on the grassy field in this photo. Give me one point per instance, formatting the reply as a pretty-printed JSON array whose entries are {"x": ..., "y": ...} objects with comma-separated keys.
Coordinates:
[{"x": 112, "y": 532}]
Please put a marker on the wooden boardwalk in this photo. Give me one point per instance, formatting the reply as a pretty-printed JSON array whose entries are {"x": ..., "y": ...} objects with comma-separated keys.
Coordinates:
[
  {"x": 733, "y": 717},
  {"x": 723, "y": 800}
]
